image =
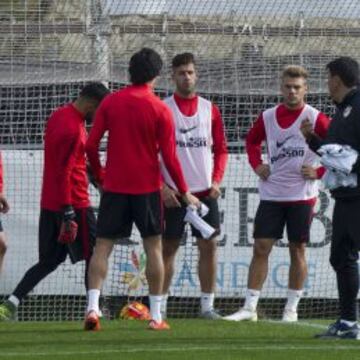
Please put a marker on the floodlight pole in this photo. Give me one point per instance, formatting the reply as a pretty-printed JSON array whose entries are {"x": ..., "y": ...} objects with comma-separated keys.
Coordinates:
[{"x": 99, "y": 29}]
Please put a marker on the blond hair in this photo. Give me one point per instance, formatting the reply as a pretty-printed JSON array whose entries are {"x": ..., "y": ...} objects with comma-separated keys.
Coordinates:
[{"x": 295, "y": 71}]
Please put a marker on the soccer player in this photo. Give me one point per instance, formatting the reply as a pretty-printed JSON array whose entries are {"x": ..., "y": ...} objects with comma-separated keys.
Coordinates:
[
  {"x": 4, "y": 208},
  {"x": 343, "y": 82},
  {"x": 201, "y": 148},
  {"x": 139, "y": 126},
  {"x": 287, "y": 187},
  {"x": 67, "y": 222}
]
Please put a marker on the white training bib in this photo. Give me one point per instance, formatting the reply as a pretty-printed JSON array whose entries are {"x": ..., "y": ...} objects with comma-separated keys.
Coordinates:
[
  {"x": 287, "y": 153},
  {"x": 193, "y": 145}
]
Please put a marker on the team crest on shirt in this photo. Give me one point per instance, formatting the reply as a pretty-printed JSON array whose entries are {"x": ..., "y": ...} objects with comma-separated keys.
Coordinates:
[{"x": 347, "y": 111}]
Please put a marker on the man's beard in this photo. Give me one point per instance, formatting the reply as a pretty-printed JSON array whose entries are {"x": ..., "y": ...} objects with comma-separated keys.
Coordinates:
[{"x": 188, "y": 91}]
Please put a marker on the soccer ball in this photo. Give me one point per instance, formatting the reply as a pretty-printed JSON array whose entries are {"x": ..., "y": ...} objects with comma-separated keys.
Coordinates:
[{"x": 135, "y": 311}]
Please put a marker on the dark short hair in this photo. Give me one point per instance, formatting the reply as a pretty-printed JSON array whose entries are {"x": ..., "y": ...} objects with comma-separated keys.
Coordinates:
[
  {"x": 94, "y": 91},
  {"x": 346, "y": 68},
  {"x": 145, "y": 65},
  {"x": 183, "y": 59}
]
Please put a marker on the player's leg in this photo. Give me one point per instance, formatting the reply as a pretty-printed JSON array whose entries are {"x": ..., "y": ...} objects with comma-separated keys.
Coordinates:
[
  {"x": 298, "y": 266},
  {"x": 298, "y": 223},
  {"x": 113, "y": 222},
  {"x": 148, "y": 217},
  {"x": 258, "y": 271},
  {"x": 83, "y": 247},
  {"x": 51, "y": 255},
  {"x": 297, "y": 277},
  {"x": 154, "y": 274},
  {"x": 208, "y": 262},
  {"x": 173, "y": 231},
  {"x": 170, "y": 248},
  {"x": 345, "y": 244},
  {"x": 207, "y": 275},
  {"x": 96, "y": 276},
  {"x": 268, "y": 227},
  {"x": 259, "y": 264},
  {"x": 348, "y": 273},
  {"x": 3, "y": 246}
]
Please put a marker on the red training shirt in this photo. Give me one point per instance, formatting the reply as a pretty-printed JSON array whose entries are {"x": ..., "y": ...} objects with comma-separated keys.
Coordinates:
[
  {"x": 139, "y": 125},
  {"x": 65, "y": 179}
]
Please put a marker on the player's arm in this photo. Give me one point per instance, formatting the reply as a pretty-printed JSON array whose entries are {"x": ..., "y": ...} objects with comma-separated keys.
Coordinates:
[
  {"x": 170, "y": 196},
  {"x": 67, "y": 144},
  {"x": 356, "y": 114},
  {"x": 166, "y": 139},
  {"x": 93, "y": 143},
  {"x": 320, "y": 130},
  {"x": 220, "y": 151},
  {"x": 254, "y": 139},
  {"x": 4, "y": 206},
  {"x": 315, "y": 135},
  {"x": 311, "y": 173}
]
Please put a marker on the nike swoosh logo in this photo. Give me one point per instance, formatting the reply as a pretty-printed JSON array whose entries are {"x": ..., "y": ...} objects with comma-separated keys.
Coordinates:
[
  {"x": 279, "y": 144},
  {"x": 184, "y": 130}
]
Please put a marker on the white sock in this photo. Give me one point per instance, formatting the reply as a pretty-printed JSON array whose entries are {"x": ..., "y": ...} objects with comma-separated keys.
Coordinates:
[
  {"x": 347, "y": 322},
  {"x": 293, "y": 299},
  {"x": 155, "y": 306},
  {"x": 251, "y": 299},
  {"x": 207, "y": 302},
  {"x": 14, "y": 300},
  {"x": 163, "y": 307},
  {"x": 93, "y": 300}
]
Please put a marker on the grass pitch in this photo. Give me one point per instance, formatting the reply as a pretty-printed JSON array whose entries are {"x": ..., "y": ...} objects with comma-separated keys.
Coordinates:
[{"x": 187, "y": 339}]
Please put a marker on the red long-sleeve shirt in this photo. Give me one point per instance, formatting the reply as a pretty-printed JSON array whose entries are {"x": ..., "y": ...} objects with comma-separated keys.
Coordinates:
[
  {"x": 139, "y": 125},
  {"x": 65, "y": 179},
  {"x": 189, "y": 107},
  {"x": 285, "y": 117},
  {"x": 1, "y": 175}
]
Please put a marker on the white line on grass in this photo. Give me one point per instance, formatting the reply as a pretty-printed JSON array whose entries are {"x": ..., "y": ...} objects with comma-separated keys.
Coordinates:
[
  {"x": 297, "y": 323},
  {"x": 187, "y": 349}
]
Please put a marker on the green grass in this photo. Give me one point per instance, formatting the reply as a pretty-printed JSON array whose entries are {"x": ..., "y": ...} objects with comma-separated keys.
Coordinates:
[{"x": 187, "y": 339}]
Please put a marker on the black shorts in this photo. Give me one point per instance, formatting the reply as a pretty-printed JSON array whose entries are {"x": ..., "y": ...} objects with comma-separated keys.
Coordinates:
[
  {"x": 271, "y": 218},
  {"x": 118, "y": 212},
  {"x": 49, "y": 229},
  {"x": 174, "y": 219}
]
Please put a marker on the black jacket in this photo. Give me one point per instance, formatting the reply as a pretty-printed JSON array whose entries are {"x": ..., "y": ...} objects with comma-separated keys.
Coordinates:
[{"x": 344, "y": 129}]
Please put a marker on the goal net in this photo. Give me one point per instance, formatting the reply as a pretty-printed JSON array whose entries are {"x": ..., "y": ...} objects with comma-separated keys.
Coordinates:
[{"x": 49, "y": 49}]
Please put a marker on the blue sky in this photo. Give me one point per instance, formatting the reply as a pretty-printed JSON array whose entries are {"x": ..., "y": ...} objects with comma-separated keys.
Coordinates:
[{"x": 310, "y": 8}]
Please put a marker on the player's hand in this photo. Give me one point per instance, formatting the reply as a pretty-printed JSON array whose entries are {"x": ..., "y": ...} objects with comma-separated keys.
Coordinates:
[
  {"x": 69, "y": 228},
  {"x": 215, "y": 191},
  {"x": 263, "y": 171},
  {"x": 4, "y": 205},
  {"x": 68, "y": 232},
  {"x": 96, "y": 182},
  {"x": 190, "y": 199},
  {"x": 308, "y": 172},
  {"x": 307, "y": 129},
  {"x": 170, "y": 197}
]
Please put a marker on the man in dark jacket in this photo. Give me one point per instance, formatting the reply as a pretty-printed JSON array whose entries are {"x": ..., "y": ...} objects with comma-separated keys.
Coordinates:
[{"x": 343, "y": 81}]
